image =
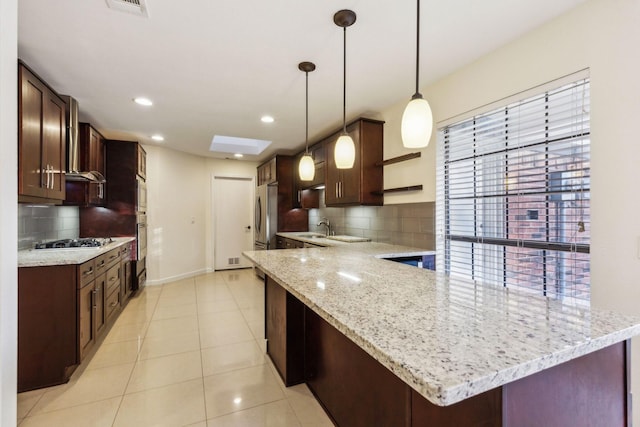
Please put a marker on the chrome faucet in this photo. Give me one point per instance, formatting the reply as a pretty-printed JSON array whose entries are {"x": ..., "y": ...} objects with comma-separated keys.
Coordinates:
[{"x": 327, "y": 224}]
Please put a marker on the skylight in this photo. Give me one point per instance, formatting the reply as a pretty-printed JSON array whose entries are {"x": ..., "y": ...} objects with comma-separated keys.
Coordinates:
[{"x": 233, "y": 144}]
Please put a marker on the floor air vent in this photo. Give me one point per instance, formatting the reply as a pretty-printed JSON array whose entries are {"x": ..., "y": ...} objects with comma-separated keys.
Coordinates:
[{"x": 136, "y": 7}]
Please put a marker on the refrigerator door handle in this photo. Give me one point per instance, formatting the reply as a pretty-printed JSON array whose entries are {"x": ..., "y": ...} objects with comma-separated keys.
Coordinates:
[{"x": 258, "y": 215}]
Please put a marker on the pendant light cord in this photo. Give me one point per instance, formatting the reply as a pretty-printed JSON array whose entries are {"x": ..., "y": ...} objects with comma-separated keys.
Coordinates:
[
  {"x": 417, "y": 48},
  {"x": 344, "y": 82},
  {"x": 306, "y": 118}
]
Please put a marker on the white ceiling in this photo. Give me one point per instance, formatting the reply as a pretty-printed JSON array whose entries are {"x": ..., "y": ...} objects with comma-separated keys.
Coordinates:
[{"x": 215, "y": 67}]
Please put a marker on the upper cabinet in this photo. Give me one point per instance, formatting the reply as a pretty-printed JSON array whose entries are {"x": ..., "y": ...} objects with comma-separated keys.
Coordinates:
[
  {"x": 92, "y": 158},
  {"x": 362, "y": 184},
  {"x": 42, "y": 134},
  {"x": 126, "y": 171},
  {"x": 268, "y": 172},
  {"x": 317, "y": 152}
]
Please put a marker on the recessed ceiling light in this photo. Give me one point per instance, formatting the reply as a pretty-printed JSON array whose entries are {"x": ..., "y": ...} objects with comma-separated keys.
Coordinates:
[
  {"x": 143, "y": 101},
  {"x": 157, "y": 137},
  {"x": 238, "y": 155},
  {"x": 267, "y": 119}
]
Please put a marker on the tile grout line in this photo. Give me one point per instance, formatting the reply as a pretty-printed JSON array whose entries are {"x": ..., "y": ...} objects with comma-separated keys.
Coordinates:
[
  {"x": 137, "y": 360},
  {"x": 204, "y": 391}
]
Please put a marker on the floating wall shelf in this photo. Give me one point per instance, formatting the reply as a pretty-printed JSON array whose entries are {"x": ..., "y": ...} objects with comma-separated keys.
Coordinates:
[{"x": 400, "y": 159}]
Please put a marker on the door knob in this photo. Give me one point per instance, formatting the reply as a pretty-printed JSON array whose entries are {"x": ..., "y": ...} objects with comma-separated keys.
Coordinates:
[{"x": 248, "y": 227}]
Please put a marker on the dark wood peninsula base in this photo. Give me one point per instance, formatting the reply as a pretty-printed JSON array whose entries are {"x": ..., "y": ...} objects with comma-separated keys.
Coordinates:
[{"x": 356, "y": 390}]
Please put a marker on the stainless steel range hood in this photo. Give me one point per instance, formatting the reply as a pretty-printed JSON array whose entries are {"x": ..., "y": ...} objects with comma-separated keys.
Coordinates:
[{"x": 73, "y": 147}]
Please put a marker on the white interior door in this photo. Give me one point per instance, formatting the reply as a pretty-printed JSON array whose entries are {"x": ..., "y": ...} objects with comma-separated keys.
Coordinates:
[{"x": 233, "y": 219}]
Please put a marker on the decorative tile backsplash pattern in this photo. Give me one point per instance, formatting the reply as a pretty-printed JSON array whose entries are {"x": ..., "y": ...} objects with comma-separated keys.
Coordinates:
[
  {"x": 38, "y": 223},
  {"x": 411, "y": 224}
]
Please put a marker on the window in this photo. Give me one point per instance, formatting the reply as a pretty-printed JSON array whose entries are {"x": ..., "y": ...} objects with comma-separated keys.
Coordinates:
[{"x": 513, "y": 194}]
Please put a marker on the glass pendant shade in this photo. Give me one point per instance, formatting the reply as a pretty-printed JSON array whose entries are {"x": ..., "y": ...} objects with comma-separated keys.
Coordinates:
[
  {"x": 345, "y": 152},
  {"x": 417, "y": 123},
  {"x": 306, "y": 168}
]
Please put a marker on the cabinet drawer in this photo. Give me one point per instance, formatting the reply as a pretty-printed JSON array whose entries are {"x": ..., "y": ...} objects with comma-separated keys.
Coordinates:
[
  {"x": 101, "y": 264},
  {"x": 113, "y": 302},
  {"x": 86, "y": 273},
  {"x": 125, "y": 252},
  {"x": 113, "y": 256},
  {"x": 113, "y": 279}
]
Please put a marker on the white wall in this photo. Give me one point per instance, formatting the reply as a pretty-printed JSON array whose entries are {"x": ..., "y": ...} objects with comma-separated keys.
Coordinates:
[
  {"x": 180, "y": 227},
  {"x": 177, "y": 190},
  {"x": 8, "y": 211},
  {"x": 601, "y": 35}
]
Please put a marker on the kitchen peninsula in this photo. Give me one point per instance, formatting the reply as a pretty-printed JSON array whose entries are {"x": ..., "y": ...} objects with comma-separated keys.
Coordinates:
[{"x": 381, "y": 343}]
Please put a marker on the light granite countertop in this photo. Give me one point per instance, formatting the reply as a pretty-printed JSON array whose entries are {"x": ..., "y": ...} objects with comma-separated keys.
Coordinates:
[
  {"x": 447, "y": 338},
  {"x": 377, "y": 249},
  {"x": 66, "y": 256}
]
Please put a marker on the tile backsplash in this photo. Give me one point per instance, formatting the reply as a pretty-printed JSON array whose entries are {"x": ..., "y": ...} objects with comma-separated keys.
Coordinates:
[
  {"x": 411, "y": 224},
  {"x": 38, "y": 223}
]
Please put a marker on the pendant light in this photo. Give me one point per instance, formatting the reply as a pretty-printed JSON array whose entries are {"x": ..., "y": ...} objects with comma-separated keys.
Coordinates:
[
  {"x": 417, "y": 119},
  {"x": 345, "y": 150},
  {"x": 306, "y": 167}
]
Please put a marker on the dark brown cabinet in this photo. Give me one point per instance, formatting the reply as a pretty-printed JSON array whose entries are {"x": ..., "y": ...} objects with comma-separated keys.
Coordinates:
[
  {"x": 126, "y": 204},
  {"x": 47, "y": 352},
  {"x": 306, "y": 196},
  {"x": 362, "y": 184},
  {"x": 42, "y": 131},
  {"x": 125, "y": 275},
  {"x": 92, "y": 158},
  {"x": 285, "y": 243},
  {"x": 62, "y": 311},
  {"x": 280, "y": 170},
  {"x": 268, "y": 172},
  {"x": 284, "y": 329},
  {"x": 97, "y": 280},
  {"x": 317, "y": 152}
]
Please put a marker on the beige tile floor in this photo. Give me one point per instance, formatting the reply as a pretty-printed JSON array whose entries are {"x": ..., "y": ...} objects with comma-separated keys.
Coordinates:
[{"x": 187, "y": 353}]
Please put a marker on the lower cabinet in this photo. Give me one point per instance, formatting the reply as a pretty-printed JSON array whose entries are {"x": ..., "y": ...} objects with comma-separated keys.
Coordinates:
[
  {"x": 47, "y": 352},
  {"x": 286, "y": 243},
  {"x": 63, "y": 311},
  {"x": 284, "y": 330}
]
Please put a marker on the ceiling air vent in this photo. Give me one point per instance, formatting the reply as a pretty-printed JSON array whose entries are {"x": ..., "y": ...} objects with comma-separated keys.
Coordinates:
[{"x": 136, "y": 7}]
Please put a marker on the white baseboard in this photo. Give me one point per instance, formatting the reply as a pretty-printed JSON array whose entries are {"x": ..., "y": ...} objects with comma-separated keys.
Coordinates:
[{"x": 162, "y": 281}]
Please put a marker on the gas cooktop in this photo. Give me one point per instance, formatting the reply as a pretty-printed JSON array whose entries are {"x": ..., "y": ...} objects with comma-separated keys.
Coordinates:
[{"x": 87, "y": 242}]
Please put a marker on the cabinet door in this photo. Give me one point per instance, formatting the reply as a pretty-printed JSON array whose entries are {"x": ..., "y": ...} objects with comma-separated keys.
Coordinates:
[
  {"x": 54, "y": 135},
  {"x": 86, "y": 305},
  {"x": 47, "y": 337},
  {"x": 96, "y": 162},
  {"x": 351, "y": 179},
  {"x": 31, "y": 178},
  {"x": 343, "y": 185},
  {"x": 99, "y": 302},
  {"x": 42, "y": 134},
  {"x": 362, "y": 184},
  {"x": 284, "y": 331}
]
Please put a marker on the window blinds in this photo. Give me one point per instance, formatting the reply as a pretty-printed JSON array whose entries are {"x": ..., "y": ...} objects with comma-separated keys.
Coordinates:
[{"x": 513, "y": 194}]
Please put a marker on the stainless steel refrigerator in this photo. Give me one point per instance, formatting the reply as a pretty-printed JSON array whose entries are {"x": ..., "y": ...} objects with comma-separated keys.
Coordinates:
[{"x": 266, "y": 219}]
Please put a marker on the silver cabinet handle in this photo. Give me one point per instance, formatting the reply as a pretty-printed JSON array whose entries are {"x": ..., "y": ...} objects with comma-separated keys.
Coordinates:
[{"x": 336, "y": 190}]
